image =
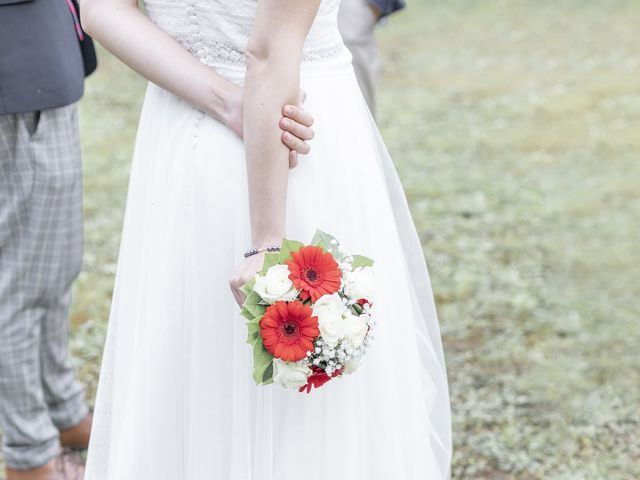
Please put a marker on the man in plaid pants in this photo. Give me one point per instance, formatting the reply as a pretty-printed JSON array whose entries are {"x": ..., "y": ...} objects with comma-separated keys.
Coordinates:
[
  {"x": 357, "y": 21},
  {"x": 42, "y": 407}
]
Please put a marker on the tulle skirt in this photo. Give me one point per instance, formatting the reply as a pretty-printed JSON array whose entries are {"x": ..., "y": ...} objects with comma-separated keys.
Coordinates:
[{"x": 176, "y": 399}]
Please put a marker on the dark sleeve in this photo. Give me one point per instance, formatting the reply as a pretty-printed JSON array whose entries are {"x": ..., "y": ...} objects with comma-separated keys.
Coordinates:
[
  {"x": 40, "y": 60},
  {"x": 387, "y": 7}
]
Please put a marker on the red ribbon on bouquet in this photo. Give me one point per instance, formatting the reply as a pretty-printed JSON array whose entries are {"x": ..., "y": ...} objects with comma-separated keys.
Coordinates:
[{"x": 318, "y": 378}]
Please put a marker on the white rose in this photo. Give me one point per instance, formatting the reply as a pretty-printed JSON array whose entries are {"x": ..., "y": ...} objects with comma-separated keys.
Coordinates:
[
  {"x": 290, "y": 374},
  {"x": 330, "y": 310},
  {"x": 275, "y": 285},
  {"x": 352, "y": 365},
  {"x": 360, "y": 283},
  {"x": 355, "y": 329}
]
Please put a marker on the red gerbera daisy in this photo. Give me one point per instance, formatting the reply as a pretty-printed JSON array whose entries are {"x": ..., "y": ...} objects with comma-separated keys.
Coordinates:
[
  {"x": 288, "y": 330},
  {"x": 314, "y": 272}
]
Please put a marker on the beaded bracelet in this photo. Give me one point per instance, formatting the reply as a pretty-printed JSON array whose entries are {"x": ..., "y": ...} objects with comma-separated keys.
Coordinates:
[{"x": 255, "y": 251}]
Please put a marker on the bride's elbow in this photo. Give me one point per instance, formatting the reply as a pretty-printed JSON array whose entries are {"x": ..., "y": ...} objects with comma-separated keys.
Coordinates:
[
  {"x": 89, "y": 15},
  {"x": 261, "y": 55},
  {"x": 97, "y": 16},
  {"x": 257, "y": 56}
]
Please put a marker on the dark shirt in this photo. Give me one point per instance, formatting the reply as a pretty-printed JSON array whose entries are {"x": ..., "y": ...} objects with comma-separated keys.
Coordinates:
[
  {"x": 40, "y": 61},
  {"x": 387, "y": 7}
]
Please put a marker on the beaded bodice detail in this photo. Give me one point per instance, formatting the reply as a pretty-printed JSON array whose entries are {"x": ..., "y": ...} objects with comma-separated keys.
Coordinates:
[{"x": 217, "y": 31}]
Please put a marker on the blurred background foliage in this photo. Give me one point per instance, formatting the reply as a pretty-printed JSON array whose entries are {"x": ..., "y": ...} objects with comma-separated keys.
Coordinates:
[{"x": 515, "y": 127}]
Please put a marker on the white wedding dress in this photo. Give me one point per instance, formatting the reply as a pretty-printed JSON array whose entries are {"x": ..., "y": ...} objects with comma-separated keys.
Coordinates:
[{"x": 176, "y": 398}]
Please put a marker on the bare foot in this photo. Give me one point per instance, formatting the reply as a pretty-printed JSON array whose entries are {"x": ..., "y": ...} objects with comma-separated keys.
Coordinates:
[
  {"x": 66, "y": 466},
  {"x": 71, "y": 465},
  {"x": 77, "y": 437}
]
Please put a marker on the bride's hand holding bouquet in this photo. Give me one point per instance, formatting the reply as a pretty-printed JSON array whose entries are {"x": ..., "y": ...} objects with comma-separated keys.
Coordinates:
[{"x": 308, "y": 311}]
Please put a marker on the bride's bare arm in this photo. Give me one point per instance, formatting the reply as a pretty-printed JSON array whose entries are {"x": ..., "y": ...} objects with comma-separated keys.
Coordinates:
[
  {"x": 129, "y": 34},
  {"x": 273, "y": 75},
  {"x": 123, "y": 29}
]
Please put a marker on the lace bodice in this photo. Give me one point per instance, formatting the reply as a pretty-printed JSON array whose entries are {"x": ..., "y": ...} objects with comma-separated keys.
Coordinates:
[{"x": 217, "y": 31}]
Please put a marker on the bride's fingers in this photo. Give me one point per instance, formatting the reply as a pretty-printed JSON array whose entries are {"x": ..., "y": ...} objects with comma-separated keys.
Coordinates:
[
  {"x": 297, "y": 129},
  {"x": 293, "y": 159},
  {"x": 294, "y": 143},
  {"x": 241, "y": 298},
  {"x": 289, "y": 140},
  {"x": 298, "y": 115},
  {"x": 235, "y": 291},
  {"x": 238, "y": 296}
]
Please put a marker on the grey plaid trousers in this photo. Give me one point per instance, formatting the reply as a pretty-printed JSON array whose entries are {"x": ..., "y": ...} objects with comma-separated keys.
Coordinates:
[
  {"x": 41, "y": 245},
  {"x": 357, "y": 23}
]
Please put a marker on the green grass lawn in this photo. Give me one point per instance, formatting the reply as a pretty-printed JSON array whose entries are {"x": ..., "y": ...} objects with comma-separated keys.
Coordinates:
[{"x": 515, "y": 126}]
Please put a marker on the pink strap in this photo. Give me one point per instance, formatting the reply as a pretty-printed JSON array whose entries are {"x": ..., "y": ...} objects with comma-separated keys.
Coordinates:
[{"x": 76, "y": 20}]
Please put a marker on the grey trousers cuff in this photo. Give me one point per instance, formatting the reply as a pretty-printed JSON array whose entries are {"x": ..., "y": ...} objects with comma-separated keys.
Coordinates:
[
  {"x": 32, "y": 456},
  {"x": 70, "y": 413}
]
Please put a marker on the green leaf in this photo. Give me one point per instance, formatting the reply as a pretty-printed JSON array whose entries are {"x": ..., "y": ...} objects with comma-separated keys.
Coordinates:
[
  {"x": 361, "y": 261},
  {"x": 252, "y": 337},
  {"x": 267, "y": 378},
  {"x": 253, "y": 330},
  {"x": 253, "y": 298},
  {"x": 287, "y": 247},
  {"x": 328, "y": 243},
  {"x": 254, "y": 305},
  {"x": 325, "y": 241},
  {"x": 247, "y": 288},
  {"x": 270, "y": 259},
  {"x": 247, "y": 314},
  {"x": 262, "y": 359},
  {"x": 324, "y": 237},
  {"x": 255, "y": 310}
]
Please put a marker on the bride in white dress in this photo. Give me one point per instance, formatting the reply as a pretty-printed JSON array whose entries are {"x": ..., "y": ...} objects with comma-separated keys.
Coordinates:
[{"x": 176, "y": 398}]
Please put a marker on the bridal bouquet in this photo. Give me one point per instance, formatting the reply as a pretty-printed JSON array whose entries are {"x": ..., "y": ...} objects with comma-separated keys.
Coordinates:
[{"x": 308, "y": 313}]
